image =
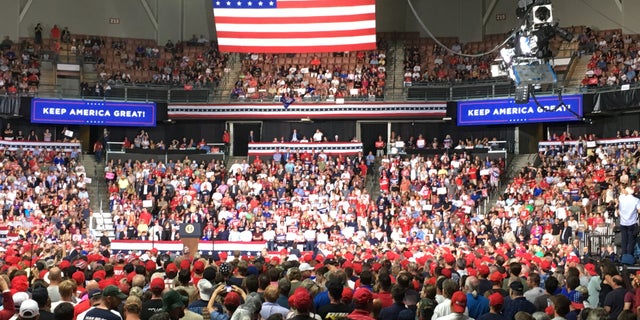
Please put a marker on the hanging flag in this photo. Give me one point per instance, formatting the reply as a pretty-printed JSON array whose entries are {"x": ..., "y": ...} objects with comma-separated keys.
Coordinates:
[{"x": 292, "y": 26}]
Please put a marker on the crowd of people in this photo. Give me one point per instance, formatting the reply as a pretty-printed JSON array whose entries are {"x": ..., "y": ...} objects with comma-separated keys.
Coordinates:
[
  {"x": 118, "y": 64},
  {"x": 266, "y": 76},
  {"x": 444, "y": 66},
  {"x": 142, "y": 141},
  {"x": 19, "y": 68},
  {"x": 614, "y": 58},
  {"x": 421, "y": 249}
]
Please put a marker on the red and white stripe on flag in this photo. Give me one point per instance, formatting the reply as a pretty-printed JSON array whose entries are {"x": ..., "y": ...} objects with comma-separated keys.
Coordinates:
[{"x": 291, "y": 26}]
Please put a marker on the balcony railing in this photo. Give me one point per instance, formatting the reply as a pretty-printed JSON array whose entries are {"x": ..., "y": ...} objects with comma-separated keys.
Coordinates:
[{"x": 155, "y": 93}]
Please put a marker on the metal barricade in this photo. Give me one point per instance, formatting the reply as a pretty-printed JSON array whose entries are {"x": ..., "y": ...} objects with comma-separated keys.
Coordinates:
[{"x": 597, "y": 242}]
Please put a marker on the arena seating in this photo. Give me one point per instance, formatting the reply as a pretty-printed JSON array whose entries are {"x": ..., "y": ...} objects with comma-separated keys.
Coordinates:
[
  {"x": 19, "y": 67},
  {"x": 143, "y": 61},
  {"x": 313, "y": 77},
  {"x": 613, "y": 57},
  {"x": 427, "y": 62}
]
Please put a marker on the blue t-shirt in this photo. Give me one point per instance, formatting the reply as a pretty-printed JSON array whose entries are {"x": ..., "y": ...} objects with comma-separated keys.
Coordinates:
[{"x": 101, "y": 314}]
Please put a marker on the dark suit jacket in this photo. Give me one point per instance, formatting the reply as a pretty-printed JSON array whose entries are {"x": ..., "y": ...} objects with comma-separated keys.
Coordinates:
[{"x": 566, "y": 234}]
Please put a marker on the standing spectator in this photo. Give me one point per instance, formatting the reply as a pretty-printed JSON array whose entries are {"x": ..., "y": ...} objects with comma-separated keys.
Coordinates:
[
  {"x": 174, "y": 304},
  {"x": 38, "y": 33},
  {"x": 362, "y": 303},
  {"x": 132, "y": 308},
  {"x": 32, "y": 137},
  {"x": 55, "y": 277},
  {"x": 614, "y": 301},
  {"x": 41, "y": 296},
  {"x": 449, "y": 287},
  {"x": 628, "y": 206},
  {"x": 64, "y": 311},
  {"x": 477, "y": 304},
  {"x": 47, "y": 136},
  {"x": 380, "y": 146},
  {"x": 594, "y": 284},
  {"x": 111, "y": 299},
  {"x": 317, "y": 136},
  {"x": 205, "y": 290},
  {"x": 29, "y": 310},
  {"x": 67, "y": 291},
  {"x": 516, "y": 301},
  {"x": 55, "y": 32},
  {"x": 561, "y": 306},
  {"x": 270, "y": 307},
  {"x": 8, "y": 133},
  {"x": 97, "y": 150},
  {"x": 496, "y": 301},
  {"x": 9, "y": 309},
  {"x": 92, "y": 299},
  {"x": 153, "y": 305},
  {"x": 251, "y": 136},
  {"x": 226, "y": 139},
  {"x": 66, "y": 35},
  {"x": 533, "y": 282},
  {"x": 458, "y": 307},
  {"x": 336, "y": 308},
  {"x": 392, "y": 312}
]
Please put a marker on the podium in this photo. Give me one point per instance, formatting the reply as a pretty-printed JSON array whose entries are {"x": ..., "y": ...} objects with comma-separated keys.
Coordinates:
[{"x": 190, "y": 235}]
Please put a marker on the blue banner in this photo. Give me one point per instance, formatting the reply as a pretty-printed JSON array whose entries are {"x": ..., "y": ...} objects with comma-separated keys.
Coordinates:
[
  {"x": 506, "y": 111},
  {"x": 93, "y": 112}
]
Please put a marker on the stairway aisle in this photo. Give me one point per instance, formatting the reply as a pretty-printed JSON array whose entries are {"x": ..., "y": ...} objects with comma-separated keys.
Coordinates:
[
  {"x": 395, "y": 70},
  {"x": 517, "y": 162},
  {"x": 234, "y": 67},
  {"x": 48, "y": 84},
  {"x": 99, "y": 198},
  {"x": 574, "y": 78}
]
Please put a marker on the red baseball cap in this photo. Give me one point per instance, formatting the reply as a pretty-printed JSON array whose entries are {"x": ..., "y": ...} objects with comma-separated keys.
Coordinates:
[
  {"x": 362, "y": 297},
  {"x": 171, "y": 267},
  {"x": 64, "y": 264},
  {"x": 150, "y": 266},
  {"x": 496, "y": 299},
  {"x": 231, "y": 299},
  {"x": 458, "y": 302},
  {"x": 449, "y": 259},
  {"x": 100, "y": 274},
  {"x": 483, "y": 270},
  {"x": 496, "y": 276},
  {"x": 78, "y": 277},
  {"x": 198, "y": 266},
  {"x": 157, "y": 284}
]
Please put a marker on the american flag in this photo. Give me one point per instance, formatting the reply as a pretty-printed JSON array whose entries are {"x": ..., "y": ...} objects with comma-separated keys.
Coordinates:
[{"x": 290, "y": 26}]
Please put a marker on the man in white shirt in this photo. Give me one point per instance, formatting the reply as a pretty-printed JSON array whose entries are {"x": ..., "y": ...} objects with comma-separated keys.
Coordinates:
[
  {"x": 269, "y": 236},
  {"x": 457, "y": 306},
  {"x": 310, "y": 239},
  {"x": 533, "y": 282},
  {"x": 444, "y": 308},
  {"x": 317, "y": 136},
  {"x": 628, "y": 206}
]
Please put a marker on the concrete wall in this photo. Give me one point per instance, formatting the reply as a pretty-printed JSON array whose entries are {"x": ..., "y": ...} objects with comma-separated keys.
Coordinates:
[
  {"x": 179, "y": 19},
  {"x": 452, "y": 18}
]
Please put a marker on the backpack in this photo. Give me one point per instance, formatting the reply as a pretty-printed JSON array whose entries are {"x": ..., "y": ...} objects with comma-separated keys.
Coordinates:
[{"x": 426, "y": 308}]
